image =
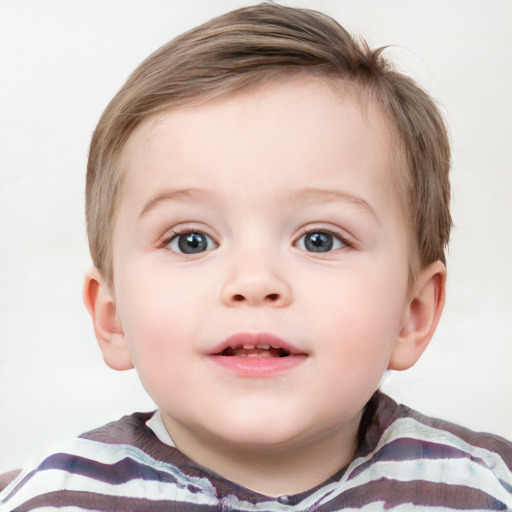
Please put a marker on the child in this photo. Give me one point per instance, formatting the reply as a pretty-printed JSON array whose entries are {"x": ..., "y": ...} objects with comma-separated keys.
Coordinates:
[{"x": 267, "y": 209}]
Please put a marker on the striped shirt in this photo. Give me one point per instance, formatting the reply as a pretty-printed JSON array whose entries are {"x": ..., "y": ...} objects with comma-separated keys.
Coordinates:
[{"x": 405, "y": 462}]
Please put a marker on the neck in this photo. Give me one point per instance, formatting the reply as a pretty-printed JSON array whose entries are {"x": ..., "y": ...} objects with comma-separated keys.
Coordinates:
[{"x": 272, "y": 471}]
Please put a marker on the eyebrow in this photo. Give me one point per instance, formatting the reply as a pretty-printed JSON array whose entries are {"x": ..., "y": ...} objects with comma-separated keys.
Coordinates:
[
  {"x": 181, "y": 194},
  {"x": 331, "y": 196},
  {"x": 299, "y": 196}
]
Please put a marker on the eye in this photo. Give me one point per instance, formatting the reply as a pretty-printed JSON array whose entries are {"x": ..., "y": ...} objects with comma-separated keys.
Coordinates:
[
  {"x": 191, "y": 242},
  {"x": 320, "y": 241}
]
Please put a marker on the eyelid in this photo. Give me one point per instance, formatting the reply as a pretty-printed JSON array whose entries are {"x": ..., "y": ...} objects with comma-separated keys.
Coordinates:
[
  {"x": 175, "y": 242},
  {"x": 336, "y": 232},
  {"x": 184, "y": 228}
]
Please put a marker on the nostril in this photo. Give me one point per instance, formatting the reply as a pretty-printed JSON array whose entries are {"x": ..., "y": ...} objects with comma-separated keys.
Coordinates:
[
  {"x": 272, "y": 297},
  {"x": 238, "y": 298}
]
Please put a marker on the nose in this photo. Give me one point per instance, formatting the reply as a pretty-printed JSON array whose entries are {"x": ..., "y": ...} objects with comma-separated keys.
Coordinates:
[{"x": 256, "y": 285}]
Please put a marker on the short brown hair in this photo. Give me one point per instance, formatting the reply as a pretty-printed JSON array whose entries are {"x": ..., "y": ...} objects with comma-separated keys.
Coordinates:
[{"x": 243, "y": 47}]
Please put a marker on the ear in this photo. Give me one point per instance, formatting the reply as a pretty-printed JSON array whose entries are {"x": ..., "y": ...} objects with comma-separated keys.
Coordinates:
[
  {"x": 107, "y": 328},
  {"x": 421, "y": 316}
]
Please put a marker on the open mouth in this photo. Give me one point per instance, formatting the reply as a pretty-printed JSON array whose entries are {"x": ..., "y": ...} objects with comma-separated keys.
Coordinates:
[
  {"x": 250, "y": 344},
  {"x": 257, "y": 355},
  {"x": 261, "y": 350}
]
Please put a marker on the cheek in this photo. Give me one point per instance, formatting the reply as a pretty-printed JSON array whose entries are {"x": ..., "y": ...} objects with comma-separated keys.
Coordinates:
[
  {"x": 156, "y": 335},
  {"x": 159, "y": 311},
  {"x": 147, "y": 310},
  {"x": 360, "y": 315}
]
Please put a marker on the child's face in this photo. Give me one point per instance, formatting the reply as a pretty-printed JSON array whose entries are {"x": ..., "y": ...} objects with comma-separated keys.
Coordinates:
[{"x": 269, "y": 217}]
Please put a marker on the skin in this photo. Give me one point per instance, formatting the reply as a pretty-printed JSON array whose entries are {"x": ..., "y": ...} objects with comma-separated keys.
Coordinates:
[{"x": 256, "y": 172}]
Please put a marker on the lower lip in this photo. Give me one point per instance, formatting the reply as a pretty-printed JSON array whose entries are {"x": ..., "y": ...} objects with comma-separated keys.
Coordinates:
[{"x": 258, "y": 366}]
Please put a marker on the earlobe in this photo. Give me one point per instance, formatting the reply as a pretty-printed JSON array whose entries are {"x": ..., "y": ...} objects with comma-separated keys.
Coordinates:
[
  {"x": 424, "y": 308},
  {"x": 109, "y": 332}
]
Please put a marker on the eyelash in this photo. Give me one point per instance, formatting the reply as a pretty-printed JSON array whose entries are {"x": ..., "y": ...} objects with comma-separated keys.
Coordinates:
[
  {"x": 188, "y": 229},
  {"x": 334, "y": 233},
  {"x": 183, "y": 230}
]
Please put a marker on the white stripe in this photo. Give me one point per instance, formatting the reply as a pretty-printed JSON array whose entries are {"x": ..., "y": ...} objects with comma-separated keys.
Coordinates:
[
  {"x": 106, "y": 453},
  {"x": 156, "y": 424},
  {"x": 55, "y": 479},
  {"x": 65, "y": 509},
  {"x": 409, "y": 427},
  {"x": 47, "y": 481},
  {"x": 379, "y": 507},
  {"x": 450, "y": 471}
]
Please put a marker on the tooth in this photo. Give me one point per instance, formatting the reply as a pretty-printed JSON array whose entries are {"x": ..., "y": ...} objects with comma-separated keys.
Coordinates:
[
  {"x": 264, "y": 347},
  {"x": 252, "y": 355},
  {"x": 248, "y": 347}
]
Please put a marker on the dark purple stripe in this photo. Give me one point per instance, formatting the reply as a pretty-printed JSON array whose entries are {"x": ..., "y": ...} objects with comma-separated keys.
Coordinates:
[
  {"x": 506, "y": 486},
  {"x": 120, "y": 431},
  {"x": 420, "y": 493},
  {"x": 382, "y": 412},
  {"x": 391, "y": 493},
  {"x": 92, "y": 501},
  {"x": 490, "y": 442},
  {"x": 414, "y": 449},
  {"x": 7, "y": 478},
  {"x": 121, "y": 472},
  {"x": 118, "y": 473},
  {"x": 132, "y": 430},
  {"x": 20, "y": 484}
]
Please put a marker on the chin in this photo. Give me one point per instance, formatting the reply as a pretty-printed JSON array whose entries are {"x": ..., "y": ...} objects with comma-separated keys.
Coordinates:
[{"x": 271, "y": 434}]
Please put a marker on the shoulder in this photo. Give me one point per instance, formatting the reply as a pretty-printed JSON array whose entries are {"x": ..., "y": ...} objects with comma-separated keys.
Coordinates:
[
  {"x": 110, "y": 468},
  {"x": 434, "y": 459},
  {"x": 436, "y": 436}
]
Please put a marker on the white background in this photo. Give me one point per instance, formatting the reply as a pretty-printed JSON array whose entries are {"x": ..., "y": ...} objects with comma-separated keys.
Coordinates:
[{"x": 62, "y": 60}]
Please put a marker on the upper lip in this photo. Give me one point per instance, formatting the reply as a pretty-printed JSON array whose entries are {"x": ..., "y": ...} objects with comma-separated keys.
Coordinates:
[{"x": 255, "y": 339}]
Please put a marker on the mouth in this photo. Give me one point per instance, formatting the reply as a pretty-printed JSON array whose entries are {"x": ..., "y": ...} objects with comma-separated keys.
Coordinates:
[
  {"x": 257, "y": 354},
  {"x": 249, "y": 344},
  {"x": 254, "y": 351}
]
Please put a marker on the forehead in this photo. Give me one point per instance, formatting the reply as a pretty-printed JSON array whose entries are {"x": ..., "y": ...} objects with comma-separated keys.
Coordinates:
[{"x": 275, "y": 136}]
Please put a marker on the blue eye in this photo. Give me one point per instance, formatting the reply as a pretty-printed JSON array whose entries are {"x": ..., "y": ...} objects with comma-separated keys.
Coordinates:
[
  {"x": 192, "y": 242},
  {"x": 320, "y": 241}
]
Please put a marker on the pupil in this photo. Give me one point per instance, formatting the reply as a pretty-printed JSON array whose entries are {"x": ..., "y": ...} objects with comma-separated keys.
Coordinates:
[
  {"x": 318, "y": 242},
  {"x": 192, "y": 243}
]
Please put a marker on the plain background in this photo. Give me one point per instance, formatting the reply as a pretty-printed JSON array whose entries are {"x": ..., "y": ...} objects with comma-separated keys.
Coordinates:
[{"x": 62, "y": 61}]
